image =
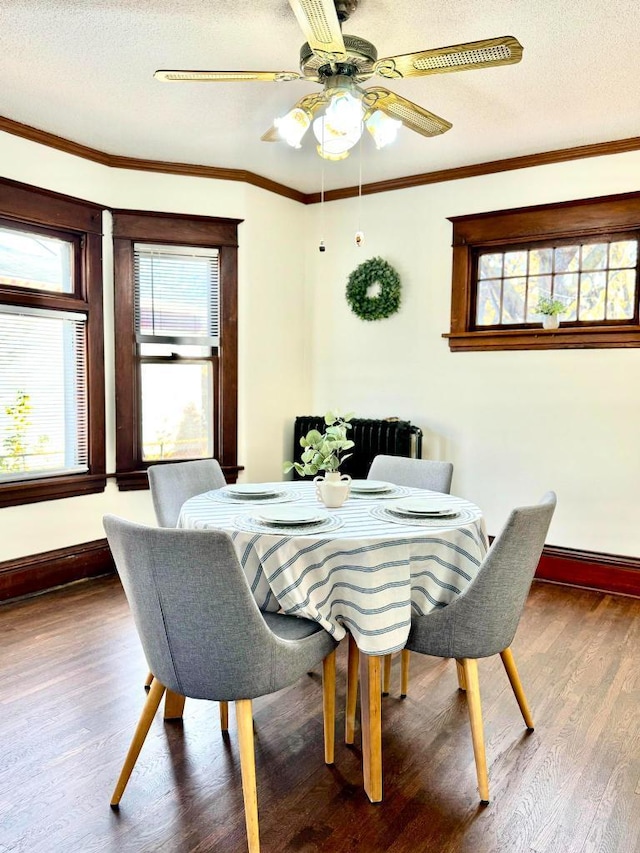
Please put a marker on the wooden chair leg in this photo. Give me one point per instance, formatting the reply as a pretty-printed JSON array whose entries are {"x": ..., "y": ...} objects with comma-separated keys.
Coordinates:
[
  {"x": 470, "y": 667},
  {"x": 224, "y": 716},
  {"x": 244, "y": 719},
  {"x": 353, "y": 660},
  {"x": 144, "y": 724},
  {"x": 329, "y": 705},
  {"x": 462, "y": 684},
  {"x": 516, "y": 686},
  {"x": 147, "y": 683},
  {"x": 405, "y": 658},
  {"x": 173, "y": 706},
  {"x": 386, "y": 675}
]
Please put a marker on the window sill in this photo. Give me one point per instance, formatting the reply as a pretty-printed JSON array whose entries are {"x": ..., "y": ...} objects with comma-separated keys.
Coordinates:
[
  {"x": 130, "y": 481},
  {"x": 568, "y": 337},
  {"x": 55, "y": 488}
]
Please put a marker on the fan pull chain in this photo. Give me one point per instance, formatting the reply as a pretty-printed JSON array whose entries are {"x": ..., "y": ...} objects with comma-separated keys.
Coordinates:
[
  {"x": 322, "y": 247},
  {"x": 359, "y": 237}
]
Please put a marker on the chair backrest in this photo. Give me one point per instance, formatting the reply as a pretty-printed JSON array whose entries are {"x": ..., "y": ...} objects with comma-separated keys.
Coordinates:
[
  {"x": 483, "y": 620},
  {"x": 199, "y": 625},
  {"x": 174, "y": 483},
  {"x": 417, "y": 473}
]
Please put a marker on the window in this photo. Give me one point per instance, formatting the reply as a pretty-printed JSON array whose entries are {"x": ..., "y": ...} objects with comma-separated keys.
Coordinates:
[
  {"x": 176, "y": 342},
  {"x": 51, "y": 351},
  {"x": 583, "y": 254}
]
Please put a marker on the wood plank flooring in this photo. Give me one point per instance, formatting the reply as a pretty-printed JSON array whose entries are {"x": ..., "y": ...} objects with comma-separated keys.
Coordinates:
[{"x": 71, "y": 690}]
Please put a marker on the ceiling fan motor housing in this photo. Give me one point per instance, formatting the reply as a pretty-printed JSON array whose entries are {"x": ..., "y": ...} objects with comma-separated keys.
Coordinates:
[{"x": 358, "y": 63}]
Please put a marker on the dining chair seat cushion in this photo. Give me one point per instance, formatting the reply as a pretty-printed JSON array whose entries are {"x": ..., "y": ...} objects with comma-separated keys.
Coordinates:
[{"x": 291, "y": 627}]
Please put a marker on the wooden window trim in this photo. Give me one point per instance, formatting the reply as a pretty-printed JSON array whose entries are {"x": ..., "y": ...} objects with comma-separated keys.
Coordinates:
[
  {"x": 138, "y": 226},
  {"x": 573, "y": 220},
  {"x": 29, "y": 206}
]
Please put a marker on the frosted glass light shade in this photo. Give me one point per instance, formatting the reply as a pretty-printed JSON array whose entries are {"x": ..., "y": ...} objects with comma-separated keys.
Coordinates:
[
  {"x": 383, "y": 129},
  {"x": 293, "y": 126}
]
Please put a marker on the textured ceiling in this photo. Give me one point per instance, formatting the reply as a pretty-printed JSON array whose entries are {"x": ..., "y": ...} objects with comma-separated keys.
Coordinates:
[{"x": 84, "y": 70}]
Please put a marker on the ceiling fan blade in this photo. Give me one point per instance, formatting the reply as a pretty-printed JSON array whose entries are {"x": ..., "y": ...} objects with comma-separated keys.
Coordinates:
[
  {"x": 226, "y": 76},
  {"x": 504, "y": 50},
  {"x": 319, "y": 22},
  {"x": 411, "y": 115},
  {"x": 310, "y": 104}
]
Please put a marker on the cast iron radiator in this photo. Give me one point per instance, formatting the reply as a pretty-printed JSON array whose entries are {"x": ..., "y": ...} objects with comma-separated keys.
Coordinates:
[{"x": 390, "y": 436}]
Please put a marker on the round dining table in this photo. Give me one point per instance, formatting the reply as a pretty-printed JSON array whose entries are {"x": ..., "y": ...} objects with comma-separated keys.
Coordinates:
[{"x": 363, "y": 568}]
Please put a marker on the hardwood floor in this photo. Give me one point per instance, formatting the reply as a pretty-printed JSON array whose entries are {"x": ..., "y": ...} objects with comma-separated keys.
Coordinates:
[{"x": 71, "y": 690}]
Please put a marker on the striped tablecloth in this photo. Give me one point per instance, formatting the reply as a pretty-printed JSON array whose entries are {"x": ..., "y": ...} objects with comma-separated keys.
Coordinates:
[{"x": 368, "y": 576}]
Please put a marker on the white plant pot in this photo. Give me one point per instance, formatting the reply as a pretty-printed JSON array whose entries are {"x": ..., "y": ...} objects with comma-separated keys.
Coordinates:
[
  {"x": 333, "y": 489},
  {"x": 550, "y": 321}
]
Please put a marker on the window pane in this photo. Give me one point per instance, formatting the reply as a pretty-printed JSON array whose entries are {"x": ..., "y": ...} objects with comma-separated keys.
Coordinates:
[
  {"x": 623, "y": 253},
  {"x": 43, "y": 398},
  {"x": 515, "y": 263},
  {"x": 592, "y": 291},
  {"x": 176, "y": 292},
  {"x": 539, "y": 285},
  {"x": 540, "y": 261},
  {"x": 565, "y": 288},
  {"x": 594, "y": 256},
  {"x": 35, "y": 261},
  {"x": 177, "y": 411},
  {"x": 513, "y": 300},
  {"x": 490, "y": 266},
  {"x": 567, "y": 259},
  {"x": 620, "y": 295},
  {"x": 488, "y": 308}
]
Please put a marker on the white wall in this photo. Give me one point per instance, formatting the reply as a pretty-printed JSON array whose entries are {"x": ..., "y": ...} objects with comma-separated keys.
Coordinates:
[
  {"x": 513, "y": 423},
  {"x": 273, "y": 346}
]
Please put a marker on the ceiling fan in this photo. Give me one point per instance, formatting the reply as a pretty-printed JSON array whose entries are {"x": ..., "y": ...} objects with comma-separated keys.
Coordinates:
[{"x": 341, "y": 62}]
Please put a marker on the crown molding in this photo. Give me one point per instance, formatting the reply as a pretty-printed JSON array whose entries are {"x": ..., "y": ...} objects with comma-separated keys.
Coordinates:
[{"x": 115, "y": 161}]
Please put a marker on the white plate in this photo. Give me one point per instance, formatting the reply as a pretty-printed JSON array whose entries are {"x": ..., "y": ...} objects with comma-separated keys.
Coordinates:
[
  {"x": 290, "y": 515},
  {"x": 370, "y": 486},
  {"x": 434, "y": 506},
  {"x": 250, "y": 490}
]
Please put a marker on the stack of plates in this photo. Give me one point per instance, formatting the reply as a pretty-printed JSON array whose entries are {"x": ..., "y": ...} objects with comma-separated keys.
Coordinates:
[
  {"x": 428, "y": 507},
  {"x": 251, "y": 491},
  {"x": 371, "y": 487},
  {"x": 290, "y": 516}
]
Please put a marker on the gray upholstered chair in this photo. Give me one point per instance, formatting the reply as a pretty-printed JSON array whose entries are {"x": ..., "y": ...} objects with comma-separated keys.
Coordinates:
[
  {"x": 205, "y": 638},
  {"x": 483, "y": 620},
  {"x": 418, "y": 474},
  {"x": 173, "y": 483}
]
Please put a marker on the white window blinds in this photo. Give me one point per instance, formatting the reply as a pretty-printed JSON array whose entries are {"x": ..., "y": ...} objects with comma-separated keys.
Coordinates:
[
  {"x": 176, "y": 295},
  {"x": 43, "y": 393}
]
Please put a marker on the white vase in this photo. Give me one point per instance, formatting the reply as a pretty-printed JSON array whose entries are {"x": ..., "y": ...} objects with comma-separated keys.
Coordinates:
[
  {"x": 550, "y": 321},
  {"x": 333, "y": 489}
]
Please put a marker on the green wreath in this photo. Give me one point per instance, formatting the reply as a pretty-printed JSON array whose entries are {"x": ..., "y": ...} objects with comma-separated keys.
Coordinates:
[{"x": 386, "y": 303}]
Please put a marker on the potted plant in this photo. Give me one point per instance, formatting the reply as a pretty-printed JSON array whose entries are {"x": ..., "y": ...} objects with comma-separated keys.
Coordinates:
[
  {"x": 550, "y": 309},
  {"x": 325, "y": 451}
]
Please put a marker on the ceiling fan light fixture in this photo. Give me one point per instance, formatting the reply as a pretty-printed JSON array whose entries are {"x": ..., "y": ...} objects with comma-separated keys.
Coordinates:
[
  {"x": 383, "y": 129},
  {"x": 334, "y": 144},
  {"x": 344, "y": 113},
  {"x": 293, "y": 126}
]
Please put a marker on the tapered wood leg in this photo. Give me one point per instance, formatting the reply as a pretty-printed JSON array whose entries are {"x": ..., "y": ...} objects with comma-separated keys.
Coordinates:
[
  {"x": 329, "y": 705},
  {"x": 224, "y": 716},
  {"x": 516, "y": 685},
  {"x": 462, "y": 684},
  {"x": 173, "y": 706},
  {"x": 405, "y": 659},
  {"x": 147, "y": 683},
  {"x": 386, "y": 675},
  {"x": 470, "y": 667},
  {"x": 371, "y": 722},
  {"x": 144, "y": 724},
  {"x": 353, "y": 657},
  {"x": 244, "y": 719}
]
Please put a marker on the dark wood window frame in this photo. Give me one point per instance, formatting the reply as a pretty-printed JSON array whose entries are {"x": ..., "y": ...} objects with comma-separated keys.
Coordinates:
[
  {"x": 52, "y": 213},
  {"x": 131, "y": 227},
  {"x": 603, "y": 218}
]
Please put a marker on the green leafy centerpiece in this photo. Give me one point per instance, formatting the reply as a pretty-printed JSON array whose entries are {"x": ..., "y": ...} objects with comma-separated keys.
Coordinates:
[
  {"x": 550, "y": 309},
  {"x": 326, "y": 451}
]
